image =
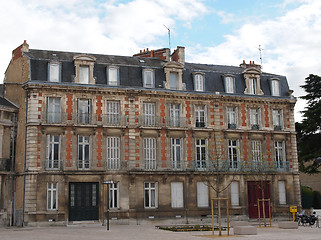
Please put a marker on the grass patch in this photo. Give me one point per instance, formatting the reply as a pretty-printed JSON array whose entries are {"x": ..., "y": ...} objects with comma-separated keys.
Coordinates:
[{"x": 188, "y": 228}]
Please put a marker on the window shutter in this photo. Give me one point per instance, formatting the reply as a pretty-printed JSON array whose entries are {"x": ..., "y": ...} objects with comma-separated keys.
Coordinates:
[
  {"x": 235, "y": 194},
  {"x": 202, "y": 194},
  {"x": 205, "y": 116},
  {"x": 47, "y": 151},
  {"x": 177, "y": 194},
  {"x": 282, "y": 192},
  {"x": 156, "y": 194}
]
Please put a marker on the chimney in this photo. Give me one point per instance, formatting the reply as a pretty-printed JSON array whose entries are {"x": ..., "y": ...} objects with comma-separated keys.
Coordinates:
[
  {"x": 179, "y": 55},
  {"x": 250, "y": 65},
  {"x": 160, "y": 53},
  {"x": 17, "y": 53}
]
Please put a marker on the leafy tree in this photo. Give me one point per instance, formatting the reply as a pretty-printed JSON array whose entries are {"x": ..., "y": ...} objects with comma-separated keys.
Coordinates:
[{"x": 309, "y": 130}]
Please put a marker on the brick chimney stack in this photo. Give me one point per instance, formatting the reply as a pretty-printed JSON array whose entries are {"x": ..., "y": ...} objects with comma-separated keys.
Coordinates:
[
  {"x": 179, "y": 55},
  {"x": 17, "y": 53},
  {"x": 160, "y": 53},
  {"x": 250, "y": 65}
]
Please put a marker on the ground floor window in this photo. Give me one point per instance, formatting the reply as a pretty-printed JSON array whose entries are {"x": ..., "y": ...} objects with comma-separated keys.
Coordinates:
[
  {"x": 235, "y": 196},
  {"x": 282, "y": 192},
  {"x": 114, "y": 195},
  {"x": 52, "y": 196},
  {"x": 177, "y": 198},
  {"x": 202, "y": 194},
  {"x": 151, "y": 194}
]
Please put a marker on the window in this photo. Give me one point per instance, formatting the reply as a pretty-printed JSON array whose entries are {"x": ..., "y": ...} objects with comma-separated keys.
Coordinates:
[
  {"x": 175, "y": 115},
  {"x": 114, "y": 195},
  {"x": 54, "y": 72},
  {"x": 229, "y": 84},
  {"x": 231, "y": 117},
  {"x": 52, "y": 196},
  {"x": 151, "y": 194},
  {"x": 176, "y": 153},
  {"x": 177, "y": 195},
  {"x": 84, "y": 152},
  {"x": 150, "y": 153},
  {"x": 252, "y": 86},
  {"x": 277, "y": 116},
  {"x": 233, "y": 154},
  {"x": 255, "y": 118},
  {"x": 149, "y": 114},
  {"x": 149, "y": 78},
  {"x": 84, "y": 74},
  {"x": 275, "y": 87},
  {"x": 53, "y": 152},
  {"x": 84, "y": 111},
  {"x": 200, "y": 116},
  {"x": 282, "y": 192},
  {"x": 201, "y": 154},
  {"x": 113, "y": 113},
  {"x": 173, "y": 81},
  {"x": 113, "y": 153},
  {"x": 202, "y": 194},
  {"x": 54, "y": 110},
  {"x": 113, "y": 78},
  {"x": 279, "y": 149},
  {"x": 199, "y": 82},
  {"x": 256, "y": 151},
  {"x": 235, "y": 196}
]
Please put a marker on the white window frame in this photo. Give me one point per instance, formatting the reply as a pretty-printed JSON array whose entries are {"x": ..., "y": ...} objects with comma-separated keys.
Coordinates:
[
  {"x": 275, "y": 87},
  {"x": 202, "y": 194},
  {"x": 54, "y": 110},
  {"x": 256, "y": 151},
  {"x": 149, "y": 114},
  {"x": 199, "y": 82},
  {"x": 233, "y": 153},
  {"x": 171, "y": 84},
  {"x": 200, "y": 116},
  {"x": 279, "y": 157},
  {"x": 83, "y": 143},
  {"x": 235, "y": 193},
  {"x": 150, "y": 153},
  {"x": 177, "y": 195},
  {"x": 149, "y": 78},
  {"x": 84, "y": 111},
  {"x": 201, "y": 150},
  {"x": 229, "y": 83},
  {"x": 150, "y": 190},
  {"x": 113, "y": 153},
  {"x": 277, "y": 117},
  {"x": 84, "y": 72},
  {"x": 253, "y": 86},
  {"x": 54, "y": 72},
  {"x": 113, "y": 112},
  {"x": 175, "y": 115},
  {"x": 232, "y": 117},
  {"x": 112, "y": 73},
  {"x": 52, "y": 143},
  {"x": 114, "y": 196},
  {"x": 52, "y": 196},
  {"x": 255, "y": 118},
  {"x": 176, "y": 153},
  {"x": 282, "y": 192}
]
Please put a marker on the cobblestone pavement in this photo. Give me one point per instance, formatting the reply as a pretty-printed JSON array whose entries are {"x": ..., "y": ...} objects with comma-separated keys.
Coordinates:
[{"x": 148, "y": 232}]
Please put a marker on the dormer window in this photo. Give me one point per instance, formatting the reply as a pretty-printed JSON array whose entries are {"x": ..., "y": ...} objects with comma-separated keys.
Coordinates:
[
  {"x": 174, "y": 72},
  {"x": 84, "y": 74},
  {"x": 149, "y": 78},
  {"x": 84, "y": 68},
  {"x": 275, "y": 87},
  {"x": 229, "y": 84},
  {"x": 252, "y": 86},
  {"x": 173, "y": 81},
  {"x": 198, "y": 82},
  {"x": 113, "y": 76},
  {"x": 252, "y": 77},
  {"x": 54, "y": 72}
]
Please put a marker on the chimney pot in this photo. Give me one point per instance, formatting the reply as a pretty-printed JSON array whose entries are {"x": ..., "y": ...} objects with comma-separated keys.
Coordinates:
[{"x": 147, "y": 49}]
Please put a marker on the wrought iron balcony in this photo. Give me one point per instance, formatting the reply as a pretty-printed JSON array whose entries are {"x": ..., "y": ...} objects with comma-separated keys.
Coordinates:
[{"x": 112, "y": 120}]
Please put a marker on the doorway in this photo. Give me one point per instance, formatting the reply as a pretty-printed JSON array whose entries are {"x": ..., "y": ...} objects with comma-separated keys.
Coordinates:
[{"x": 255, "y": 191}]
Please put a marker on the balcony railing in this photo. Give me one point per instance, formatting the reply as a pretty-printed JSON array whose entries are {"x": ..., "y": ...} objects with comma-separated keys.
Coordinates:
[
  {"x": 112, "y": 120},
  {"x": 157, "y": 121},
  {"x": 53, "y": 165}
]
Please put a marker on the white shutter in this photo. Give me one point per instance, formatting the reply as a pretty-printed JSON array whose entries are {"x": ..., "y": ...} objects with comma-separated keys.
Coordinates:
[
  {"x": 202, "y": 194},
  {"x": 282, "y": 192},
  {"x": 235, "y": 194},
  {"x": 177, "y": 194}
]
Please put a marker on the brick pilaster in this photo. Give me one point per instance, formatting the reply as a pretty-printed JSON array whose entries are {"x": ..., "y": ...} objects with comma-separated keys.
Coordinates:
[
  {"x": 99, "y": 147},
  {"x": 243, "y": 115},
  {"x": 69, "y": 107},
  {"x": 266, "y": 116},
  {"x": 99, "y": 108},
  {"x": 268, "y": 147},
  {"x": 68, "y": 146},
  {"x": 245, "y": 146},
  {"x": 188, "y": 111},
  {"x": 189, "y": 148},
  {"x": 163, "y": 148}
]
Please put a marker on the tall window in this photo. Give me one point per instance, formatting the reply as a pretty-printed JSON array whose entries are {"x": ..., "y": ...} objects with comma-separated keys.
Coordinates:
[
  {"x": 151, "y": 194},
  {"x": 256, "y": 151},
  {"x": 84, "y": 152},
  {"x": 202, "y": 194},
  {"x": 255, "y": 118},
  {"x": 53, "y": 152},
  {"x": 52, "y": 196},
  {"x": 233, "y": 154},
  {"x": 149, "y": 78},
  {"x": 84, "y": 74},
  {"x": 229, "y": 85},
  {"x": 201, "y": 153},
  {"x": 279, "y": 149},
  {"x": 113, "y": 153},
  {"x": 282, "y": 192},
  {"x": 173, "y": 81},
  {"x": 200, "y": 116},
  {"x": 113, "y": 113},
  {"x": 54, "y": 72},
  {"x": 231, "y": 117},
  {"x": 149, "y": 118},
  {"x": 252, "y": 86},
  {"x": 114, "y": 196},
  {"x": 84, "y": 111},
  {"x": 199, "y": 82},
  {"x": 235, "y": 196},
  {"x": 113, "y": 78},
  {"x": 275, "y": 88},
  {"x": 277, "y": 116},
  {"x": 175, "y": 115},
  {"x": 177, "y": 195},
  {"x": 176, "y": 153},
  {"x": 150, "y": 153},
  {"x": 53, "y": 110}
]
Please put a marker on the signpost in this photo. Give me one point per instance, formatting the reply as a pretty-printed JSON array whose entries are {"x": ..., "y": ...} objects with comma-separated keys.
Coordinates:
[{"x": 108, "y": 183}]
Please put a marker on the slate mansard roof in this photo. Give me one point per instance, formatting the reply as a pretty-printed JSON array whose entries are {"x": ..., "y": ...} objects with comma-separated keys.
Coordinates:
[{"x": 130, "y": 72}]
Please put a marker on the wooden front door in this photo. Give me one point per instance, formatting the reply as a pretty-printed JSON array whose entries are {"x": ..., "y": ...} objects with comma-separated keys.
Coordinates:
[
  {"x": 83, "y": 201},
  {"x": 255, "y": 190}
]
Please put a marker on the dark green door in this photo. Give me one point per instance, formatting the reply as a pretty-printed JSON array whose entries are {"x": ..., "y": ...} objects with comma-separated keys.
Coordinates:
[{"x": 83, "y": 201}]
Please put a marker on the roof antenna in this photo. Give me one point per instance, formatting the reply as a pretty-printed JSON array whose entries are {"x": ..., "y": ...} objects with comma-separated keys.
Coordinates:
[
  {"x": 169, "y": 37},
  {"x": 260, "y": 50}
]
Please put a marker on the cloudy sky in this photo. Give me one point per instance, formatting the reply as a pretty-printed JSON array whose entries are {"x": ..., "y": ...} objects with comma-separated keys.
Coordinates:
[{"x": 212, "y": 31}]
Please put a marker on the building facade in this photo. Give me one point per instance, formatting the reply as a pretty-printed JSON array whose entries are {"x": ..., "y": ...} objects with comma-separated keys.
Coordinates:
[{"x": 160, "y": 128}]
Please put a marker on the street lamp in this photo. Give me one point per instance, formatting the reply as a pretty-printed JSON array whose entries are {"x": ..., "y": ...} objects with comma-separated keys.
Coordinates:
[{"x": 108, "y": 183}]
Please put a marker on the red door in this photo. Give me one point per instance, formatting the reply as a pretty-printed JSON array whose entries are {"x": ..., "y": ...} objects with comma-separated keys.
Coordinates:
[{"x": 255, "y": 191}]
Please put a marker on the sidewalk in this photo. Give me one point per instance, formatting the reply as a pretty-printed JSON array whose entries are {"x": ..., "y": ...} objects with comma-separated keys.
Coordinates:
[{"x": 148, "y": 232}]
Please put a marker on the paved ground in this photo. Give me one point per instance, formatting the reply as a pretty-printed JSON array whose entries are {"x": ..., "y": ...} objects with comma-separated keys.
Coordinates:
[{"x": 141, "y": 232}]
